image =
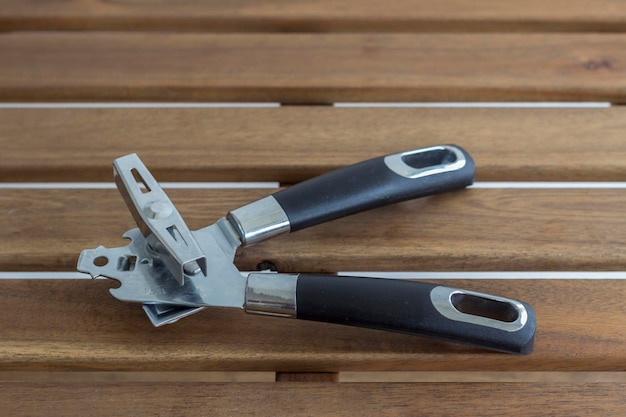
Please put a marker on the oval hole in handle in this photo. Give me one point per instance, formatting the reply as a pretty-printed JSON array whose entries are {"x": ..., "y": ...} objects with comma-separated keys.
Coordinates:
[
  {"x": 479, "y": 308},
  {"x": 433, "y": 157},
  {"x": 425, "y": 162},
  {"x": 484, "y": 307}
]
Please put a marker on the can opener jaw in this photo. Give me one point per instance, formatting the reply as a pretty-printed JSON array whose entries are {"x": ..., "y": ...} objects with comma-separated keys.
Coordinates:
[
  {"x": 165, "y": 265},
  {"x": 175, "y": 272}
]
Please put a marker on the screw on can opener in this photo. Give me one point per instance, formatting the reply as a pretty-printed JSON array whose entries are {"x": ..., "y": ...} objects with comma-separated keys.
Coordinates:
[{"x": 175, "y": 272}]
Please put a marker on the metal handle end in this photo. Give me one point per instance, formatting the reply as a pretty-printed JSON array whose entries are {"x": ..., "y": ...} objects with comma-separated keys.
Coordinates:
[
  {"x": 271, "y": 294},
  {"x": 259, "y": 220}
]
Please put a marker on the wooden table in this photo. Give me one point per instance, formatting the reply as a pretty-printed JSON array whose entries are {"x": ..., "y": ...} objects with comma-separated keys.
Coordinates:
[{"x": 545, "y": 222}]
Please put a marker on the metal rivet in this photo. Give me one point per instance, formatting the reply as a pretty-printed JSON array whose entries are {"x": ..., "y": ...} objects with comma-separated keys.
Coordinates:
[
  {"x": 192, "y": 268},
  {"x": 158, "y": 210}
]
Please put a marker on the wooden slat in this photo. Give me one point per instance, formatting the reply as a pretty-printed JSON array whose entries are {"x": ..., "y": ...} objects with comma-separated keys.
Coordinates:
[
  {"x": 76, "y": 325},
  {"x": 313, "y": 399},
  {"x": 477, "y": 229},
  {"x": 320, "y": 15},
  {"x": 293, "y": 143},
  {"x": 319, "y": 68}
]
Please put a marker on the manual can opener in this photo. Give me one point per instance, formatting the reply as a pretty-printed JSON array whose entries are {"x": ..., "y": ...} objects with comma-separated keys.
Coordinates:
[{"x": 174, "y": 272}]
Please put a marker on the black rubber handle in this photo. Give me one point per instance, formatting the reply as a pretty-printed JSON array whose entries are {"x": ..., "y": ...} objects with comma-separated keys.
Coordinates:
[
  {"x": 418, "y": 308},
  {"x": 376, "y": 182}
]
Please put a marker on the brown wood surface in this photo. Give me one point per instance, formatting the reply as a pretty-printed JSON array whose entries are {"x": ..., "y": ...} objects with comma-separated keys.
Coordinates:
[
  {"x": 468, "y": 230},
  {"x": 319, "y": 15},
  {"x": 347, "y": 376},
  {"x": 292, "y": 143},
  {"x": 77, "y": 325},
  {"x": 566, "y": 400},
  {"x": 312, "y": 68},
  {"x": 90, "y": 377},
  {"x": 74, "y": 325},
  {"x": 93, "y": 377},
  {"x": 307, "y": 376}
]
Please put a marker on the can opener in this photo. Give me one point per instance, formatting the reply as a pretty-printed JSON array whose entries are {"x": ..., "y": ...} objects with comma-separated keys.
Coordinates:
[{"x": 174, "y": 272}]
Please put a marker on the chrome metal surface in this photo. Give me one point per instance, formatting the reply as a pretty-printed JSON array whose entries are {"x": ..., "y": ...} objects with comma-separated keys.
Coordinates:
[
  {"x": 146, "y": 279},
  {"x": 162, "y": 314},
  {"x": 509, "y": 315},
  {"x": 271, "y": 294},
  {"x": 159, "y": 222},
  {"x": 259, "y": 220},
  {"x": 175, "y": 272},
  {"x": 427, "y": 161},
  {"x": 172, "y": 271}
]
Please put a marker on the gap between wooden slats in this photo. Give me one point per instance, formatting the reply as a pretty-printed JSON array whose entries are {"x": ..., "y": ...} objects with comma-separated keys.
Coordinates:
[
  {"x": 199, "y": 105},
  {"x": 345, "y": 377},
  {"x": 529, "y": 185}
]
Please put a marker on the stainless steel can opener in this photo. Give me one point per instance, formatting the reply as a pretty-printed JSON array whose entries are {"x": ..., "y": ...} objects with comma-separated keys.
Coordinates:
[{"x": 174, "y": 272}]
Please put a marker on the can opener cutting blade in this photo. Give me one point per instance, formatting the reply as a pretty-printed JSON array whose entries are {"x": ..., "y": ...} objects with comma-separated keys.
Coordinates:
[{"x": 174, "y": 272}]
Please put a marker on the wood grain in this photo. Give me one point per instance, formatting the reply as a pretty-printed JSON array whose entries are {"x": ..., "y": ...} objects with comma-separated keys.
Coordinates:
[
  {"x": 312, "y": 68},
  {"x": 75, "y": 325},
  {"x": 139, "y": 399},
  {"x": 315, "y": 16},
  {"x": 307, "y": 377},
  {"x": 452, "y": 376},
  {"x": 468, "y": 230},
  {"x": 96, "y": 377},
  {"x": 293, "y": 143}
]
